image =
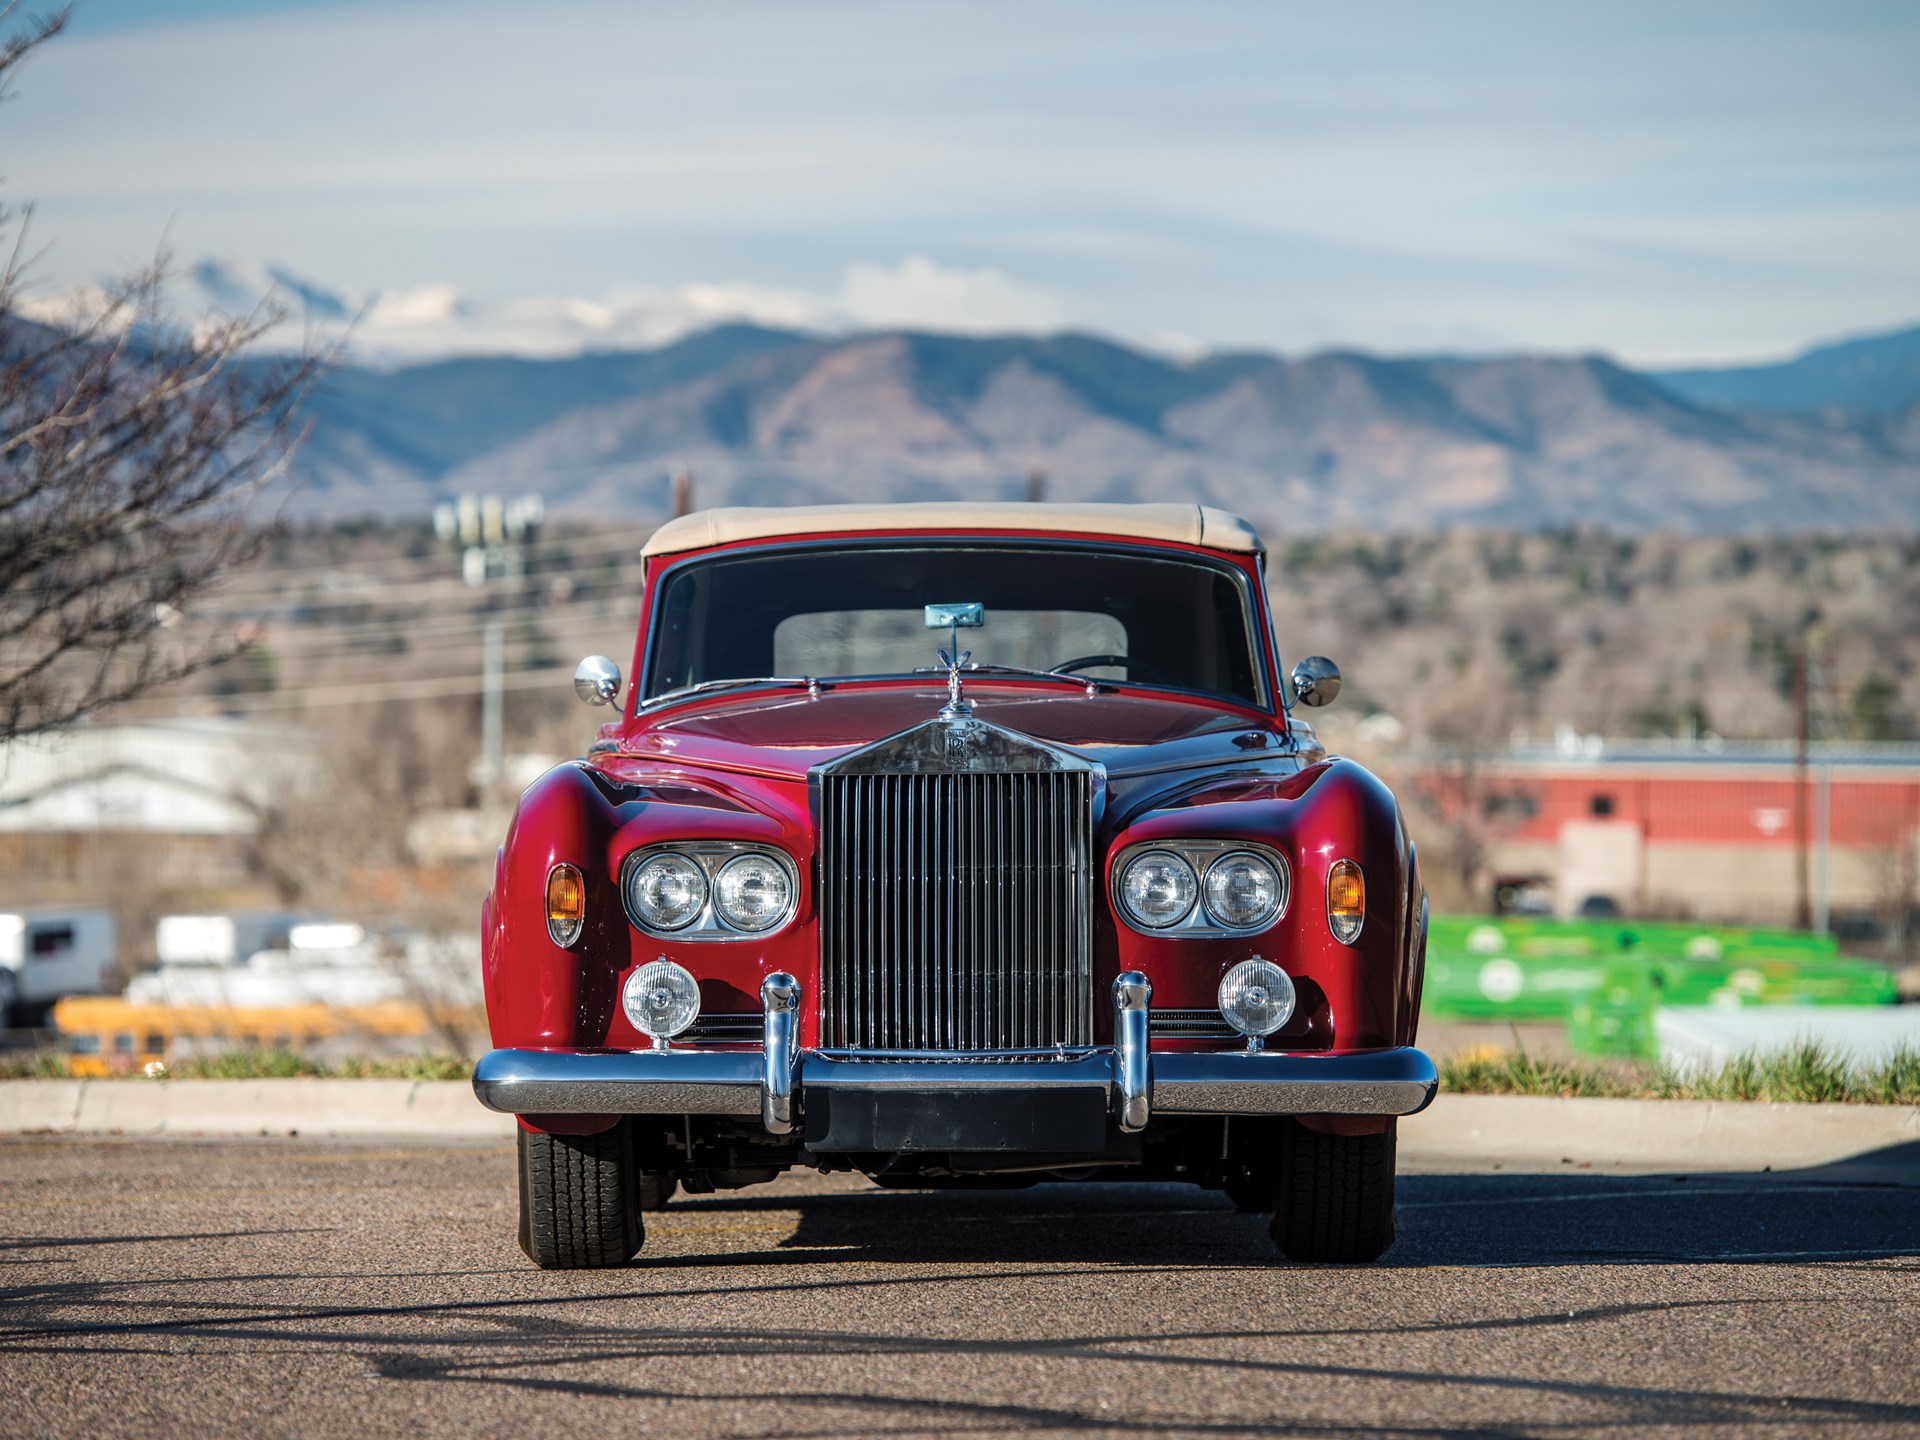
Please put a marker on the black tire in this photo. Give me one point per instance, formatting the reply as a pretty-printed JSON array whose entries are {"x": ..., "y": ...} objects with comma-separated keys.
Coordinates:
[
  {"x": 1335, "y": 1204},
  {"x": 579, "y": 1200},
  {"x": 656, "y": 1190}
]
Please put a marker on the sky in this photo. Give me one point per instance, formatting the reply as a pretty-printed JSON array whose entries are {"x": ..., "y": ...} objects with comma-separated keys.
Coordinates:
[{"x": 1696, "y": 183}]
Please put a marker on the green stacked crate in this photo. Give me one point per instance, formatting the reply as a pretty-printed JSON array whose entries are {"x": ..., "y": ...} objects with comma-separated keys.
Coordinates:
[{"x": 1511, "y": 969}]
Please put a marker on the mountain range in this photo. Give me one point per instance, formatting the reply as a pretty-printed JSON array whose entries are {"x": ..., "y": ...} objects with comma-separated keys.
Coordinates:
[{"x": 1828, "y": 441}]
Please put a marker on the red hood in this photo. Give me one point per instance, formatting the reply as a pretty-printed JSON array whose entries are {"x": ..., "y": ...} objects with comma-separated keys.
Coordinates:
[{"x": 787, "y": 733}]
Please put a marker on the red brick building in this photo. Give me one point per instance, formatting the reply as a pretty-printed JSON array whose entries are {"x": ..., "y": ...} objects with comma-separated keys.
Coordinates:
[{"x": 1712, "y": 829}]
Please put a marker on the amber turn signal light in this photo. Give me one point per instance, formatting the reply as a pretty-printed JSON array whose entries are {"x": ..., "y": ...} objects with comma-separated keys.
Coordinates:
[
  {"x": 566, "y": 904},
  {"x": 1346, "y": 901}
]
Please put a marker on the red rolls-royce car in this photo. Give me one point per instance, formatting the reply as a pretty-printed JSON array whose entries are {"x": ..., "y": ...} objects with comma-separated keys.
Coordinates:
[{"x": 957, "y": 845}]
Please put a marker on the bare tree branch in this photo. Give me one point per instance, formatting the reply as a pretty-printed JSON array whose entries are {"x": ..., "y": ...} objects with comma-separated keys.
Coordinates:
[{"x": 129, "y": 449}]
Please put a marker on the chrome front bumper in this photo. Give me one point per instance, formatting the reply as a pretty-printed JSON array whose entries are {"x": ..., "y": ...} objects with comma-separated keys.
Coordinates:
[{"x": 773, "y": 1083}]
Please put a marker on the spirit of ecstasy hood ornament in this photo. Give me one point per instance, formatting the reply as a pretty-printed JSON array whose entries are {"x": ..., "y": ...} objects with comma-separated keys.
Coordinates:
[{"x": 955, "y": 708}]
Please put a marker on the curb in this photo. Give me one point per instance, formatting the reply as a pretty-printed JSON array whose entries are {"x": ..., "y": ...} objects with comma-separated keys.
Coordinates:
[
  {"x": 1508, "y": 1132},
  {"x": 1538, "y": 1132},
  {"x": 428, "y": 1109}
]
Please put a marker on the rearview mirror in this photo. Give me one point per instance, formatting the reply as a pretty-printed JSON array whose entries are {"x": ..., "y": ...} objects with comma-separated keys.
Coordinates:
[
  {"x": 1316, "y": 680},
  {"x": 965, "y": 615},
  {"x": 597, "y": 681}
]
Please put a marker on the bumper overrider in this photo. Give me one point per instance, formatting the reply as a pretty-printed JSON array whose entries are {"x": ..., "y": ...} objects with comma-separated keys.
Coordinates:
[{"x": 839, "y": 1092}]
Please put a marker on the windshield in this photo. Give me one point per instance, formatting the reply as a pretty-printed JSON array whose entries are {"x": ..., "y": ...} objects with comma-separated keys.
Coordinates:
[{"x": 862, "y": 610}]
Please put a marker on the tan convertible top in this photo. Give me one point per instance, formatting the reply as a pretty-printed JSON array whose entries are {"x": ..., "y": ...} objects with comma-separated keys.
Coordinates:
[{"x": 1188, "y": 524}]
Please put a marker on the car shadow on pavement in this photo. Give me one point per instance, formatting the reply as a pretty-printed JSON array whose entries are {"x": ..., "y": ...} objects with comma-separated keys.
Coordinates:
[
  {"x": 680, "y": 1329},
  {"x": 1450, "y": 1220}
]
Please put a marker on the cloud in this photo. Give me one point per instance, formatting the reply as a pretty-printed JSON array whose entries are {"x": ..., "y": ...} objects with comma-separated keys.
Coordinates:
[
  {"x": 919, "y": 293},
  {"x": 427, "y": 322}
]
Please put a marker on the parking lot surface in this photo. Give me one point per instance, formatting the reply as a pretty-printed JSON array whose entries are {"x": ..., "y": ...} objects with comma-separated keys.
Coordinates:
[{"x": 297, "y": 1287}]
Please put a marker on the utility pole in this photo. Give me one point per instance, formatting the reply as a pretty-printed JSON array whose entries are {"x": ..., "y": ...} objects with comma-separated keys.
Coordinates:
[
  {"x": 1823, "y": 849},
  {"x": 1036, "y": 486},
  {"x": 1802, "y": 838},
  {"x": 682, "y": 493},
  {"x": 491, "y": 533},
  {"x": 493, "y": 674}
]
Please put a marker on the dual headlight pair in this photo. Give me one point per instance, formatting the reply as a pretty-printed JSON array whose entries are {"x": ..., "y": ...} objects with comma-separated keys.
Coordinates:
[
  {"x": 712, "y": 890},
  {"x": 709, "y": 891},
  {"x": 1205, "y": 886}
]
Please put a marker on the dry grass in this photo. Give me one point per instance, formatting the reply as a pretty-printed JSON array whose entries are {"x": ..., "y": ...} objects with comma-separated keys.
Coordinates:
[
  {"x": 260, "y": 1065},
  {"x": 1807, "y": 1072}
]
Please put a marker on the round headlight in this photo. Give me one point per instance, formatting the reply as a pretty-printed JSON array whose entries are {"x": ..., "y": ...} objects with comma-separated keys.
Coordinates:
[
  {"x": 752, "y": 892},
  {"x": 1256, "y": 997},
  {"x": 1244, "y": 891},
  {"x": 1157, "y": 889},
  {"x": 661, "y": 999},
  {"x": 666, "y": 892}
]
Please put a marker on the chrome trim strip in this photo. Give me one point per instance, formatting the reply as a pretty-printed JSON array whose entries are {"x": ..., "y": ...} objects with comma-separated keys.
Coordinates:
[
  {"x": 1400, "y": 1081},
  {"x": 780, "y": 999},
  {"x": 695, "y": 1082},
  {"x": 620, "y": 1082},
  {"x": 1132, "y": 1060}
]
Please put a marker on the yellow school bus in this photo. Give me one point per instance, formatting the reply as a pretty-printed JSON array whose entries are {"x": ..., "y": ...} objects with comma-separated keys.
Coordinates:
[{"x": 107, "y": 1035}]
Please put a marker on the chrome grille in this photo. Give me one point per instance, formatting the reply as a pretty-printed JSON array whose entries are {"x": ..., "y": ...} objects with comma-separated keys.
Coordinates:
[
  {"x": 955, "y": 910},
  {"x": 728, "y": 1030},
  {"x": 1191, "y": 1025}
]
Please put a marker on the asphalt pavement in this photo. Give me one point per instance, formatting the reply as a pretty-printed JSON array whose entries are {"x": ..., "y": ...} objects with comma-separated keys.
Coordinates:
[{"x": 299, "y": 1287}]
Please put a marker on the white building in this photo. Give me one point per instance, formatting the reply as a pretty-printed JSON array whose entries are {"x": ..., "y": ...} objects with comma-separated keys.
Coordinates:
[{"x": 208, "y": 776}]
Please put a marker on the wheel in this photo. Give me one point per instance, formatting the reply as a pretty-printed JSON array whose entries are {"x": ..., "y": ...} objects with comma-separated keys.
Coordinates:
[
  {"x": 579, "y": 1200},
  {"x": 1252, "y": 1192},
  {"x": 1335, "y": 1202},
  {"x": 657, "y": 1190}
]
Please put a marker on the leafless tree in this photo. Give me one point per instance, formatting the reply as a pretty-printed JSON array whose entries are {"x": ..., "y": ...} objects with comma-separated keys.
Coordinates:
[{"x": 129, "y": 449}]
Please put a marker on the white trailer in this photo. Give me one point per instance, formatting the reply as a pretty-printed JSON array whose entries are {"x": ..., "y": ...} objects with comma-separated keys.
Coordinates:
[{"x": 48, "y": 953}]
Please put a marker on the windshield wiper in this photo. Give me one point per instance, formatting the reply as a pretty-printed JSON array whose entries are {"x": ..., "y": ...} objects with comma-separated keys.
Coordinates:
[
  {"x": 812, "y": 687},
  {"x": 1079, "y": 680}
]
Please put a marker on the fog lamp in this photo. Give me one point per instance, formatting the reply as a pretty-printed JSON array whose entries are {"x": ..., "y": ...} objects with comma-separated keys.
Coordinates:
[
  {"x": 661, "y": 1000},
  {"x": 1346, "y": 901},
  {"x": 1256, "y": 998},
  {"x": 566, "y": 904}
]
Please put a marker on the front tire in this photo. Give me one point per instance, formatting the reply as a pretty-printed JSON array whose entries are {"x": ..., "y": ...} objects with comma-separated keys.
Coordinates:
[
  {"x": 1335, "y": 1202},
  {"x": 579, "y": 1200}
]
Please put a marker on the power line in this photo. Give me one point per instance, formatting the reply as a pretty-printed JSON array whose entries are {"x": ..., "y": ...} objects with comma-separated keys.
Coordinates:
[
  {"x": 344, "y": 635},
  {"x": 451, "y": 585},
  {"x": 421, "y": 569},
  {"x": 378, "y": 690}
]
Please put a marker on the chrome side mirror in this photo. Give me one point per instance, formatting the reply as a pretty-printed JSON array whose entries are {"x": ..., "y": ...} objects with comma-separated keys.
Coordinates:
[
  {"x": 597, "y": 681},
  {"x": 1316, "y": 680}
]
